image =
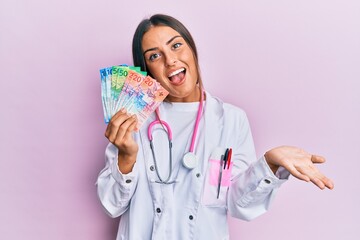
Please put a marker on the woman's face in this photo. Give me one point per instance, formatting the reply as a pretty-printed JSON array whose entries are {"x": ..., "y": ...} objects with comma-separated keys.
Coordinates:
[{"x": 171, "y": 62}]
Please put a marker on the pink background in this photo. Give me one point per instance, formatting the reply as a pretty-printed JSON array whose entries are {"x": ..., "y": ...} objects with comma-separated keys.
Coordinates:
[{"x": 294, "y": 66}]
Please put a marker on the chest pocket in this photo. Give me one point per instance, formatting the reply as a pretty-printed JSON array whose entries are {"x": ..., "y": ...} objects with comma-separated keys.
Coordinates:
[{"x": 217, "y": 180}]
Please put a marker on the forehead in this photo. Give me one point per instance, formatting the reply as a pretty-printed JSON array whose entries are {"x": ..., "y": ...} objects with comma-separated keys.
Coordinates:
[{"x": 157, "y": 36}]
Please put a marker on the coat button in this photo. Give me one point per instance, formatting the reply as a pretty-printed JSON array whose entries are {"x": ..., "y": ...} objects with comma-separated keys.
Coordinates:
[
  {"x": 128, "y": 181},
  {"x": 267, "y": 181},
  {"x": 152, "y": 168},
  {"x": 191, "y": 217},
  {"x": 198, "y": 175},
  {"x": 158, "y": 210}
]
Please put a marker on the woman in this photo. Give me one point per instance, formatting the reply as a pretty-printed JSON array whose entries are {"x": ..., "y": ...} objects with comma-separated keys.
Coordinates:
[{"x": 190, "y": 200}]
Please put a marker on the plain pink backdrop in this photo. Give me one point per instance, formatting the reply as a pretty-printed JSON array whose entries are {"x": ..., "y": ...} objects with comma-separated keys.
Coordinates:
[{"x": 293, "y": 66}]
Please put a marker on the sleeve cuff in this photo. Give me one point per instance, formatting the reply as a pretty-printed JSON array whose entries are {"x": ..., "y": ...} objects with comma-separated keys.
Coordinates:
[
  {"x": 125, "y": 180},
  {"x": 261, "y": 168},
  {"x": 258, "y": 183},
  {"x": 281, "y": 173}
]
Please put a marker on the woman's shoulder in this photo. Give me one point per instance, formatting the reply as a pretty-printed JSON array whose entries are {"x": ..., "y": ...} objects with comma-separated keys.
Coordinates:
[{"x": 228, "y": 108}]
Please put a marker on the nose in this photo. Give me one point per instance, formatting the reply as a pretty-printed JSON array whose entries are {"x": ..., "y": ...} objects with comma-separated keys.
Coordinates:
[{"x": 170, "y": 58}]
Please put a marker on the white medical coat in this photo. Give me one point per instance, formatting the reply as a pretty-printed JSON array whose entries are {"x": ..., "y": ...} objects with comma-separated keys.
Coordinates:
[{"x": 150, "y": 210}]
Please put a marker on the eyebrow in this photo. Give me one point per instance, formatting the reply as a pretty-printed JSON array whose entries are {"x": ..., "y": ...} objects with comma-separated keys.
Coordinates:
[{"x": 167, "y": 43}]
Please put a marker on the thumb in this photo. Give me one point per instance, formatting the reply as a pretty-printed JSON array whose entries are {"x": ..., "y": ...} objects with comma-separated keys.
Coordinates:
[{"x": 317, "y": 159}]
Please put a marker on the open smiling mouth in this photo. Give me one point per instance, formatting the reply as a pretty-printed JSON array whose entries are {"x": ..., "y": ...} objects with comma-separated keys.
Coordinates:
[{"x": 177, "y": 76}]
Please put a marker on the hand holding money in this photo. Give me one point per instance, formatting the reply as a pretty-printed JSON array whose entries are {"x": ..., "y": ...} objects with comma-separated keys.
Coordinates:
[{"x": 119, "y": 132}]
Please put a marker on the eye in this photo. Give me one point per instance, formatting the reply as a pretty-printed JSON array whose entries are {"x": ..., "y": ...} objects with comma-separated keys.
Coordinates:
[
  {"x": 154, "y": 56},
  {"x": 177, "y": 45}
]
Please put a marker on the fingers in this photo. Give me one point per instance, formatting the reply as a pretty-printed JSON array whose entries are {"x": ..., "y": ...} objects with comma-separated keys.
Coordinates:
[
  {"x": 119, "y": 125},
  {"x": 318, "y": 183},
  {"x": 322, "y": 181},
  {"x": 316, "y": 177},
  {"x": 293, "y": 171},
  {"x": 110, "y": 127},
  {"x": 125, "y": 130},
  {"x": 328, "y": 183}
]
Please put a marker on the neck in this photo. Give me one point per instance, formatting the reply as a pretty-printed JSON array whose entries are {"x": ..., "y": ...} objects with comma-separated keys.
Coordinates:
[{"x": 193, "y": 97}]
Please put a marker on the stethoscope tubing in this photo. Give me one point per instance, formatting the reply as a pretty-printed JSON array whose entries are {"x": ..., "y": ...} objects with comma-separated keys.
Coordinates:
[
  {"x": 167, "y": 129},
  {"x": 163, "y": 123}
]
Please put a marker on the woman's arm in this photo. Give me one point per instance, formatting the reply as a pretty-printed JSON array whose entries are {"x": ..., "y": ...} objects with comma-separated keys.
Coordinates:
[
  {"x": 255, "y": 182},
  {"x": 116, "y": 183}
]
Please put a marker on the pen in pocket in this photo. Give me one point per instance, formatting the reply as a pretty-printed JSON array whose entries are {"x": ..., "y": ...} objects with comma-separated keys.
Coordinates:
[{"x": 228, "y": 160}]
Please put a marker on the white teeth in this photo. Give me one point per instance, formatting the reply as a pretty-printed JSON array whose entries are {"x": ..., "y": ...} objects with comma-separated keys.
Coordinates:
[{"x": 176, "y": 72}]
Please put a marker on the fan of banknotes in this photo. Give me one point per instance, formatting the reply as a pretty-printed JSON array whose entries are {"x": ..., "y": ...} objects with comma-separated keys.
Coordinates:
[{"x": 130, "y": 88}]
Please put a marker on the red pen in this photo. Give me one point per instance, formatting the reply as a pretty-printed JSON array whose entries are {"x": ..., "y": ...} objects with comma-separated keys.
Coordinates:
[{"x": 229, "y": 158}]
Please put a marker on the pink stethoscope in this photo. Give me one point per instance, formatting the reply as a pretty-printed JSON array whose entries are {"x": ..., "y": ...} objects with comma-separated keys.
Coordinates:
[{"x": 190, "y": 160}]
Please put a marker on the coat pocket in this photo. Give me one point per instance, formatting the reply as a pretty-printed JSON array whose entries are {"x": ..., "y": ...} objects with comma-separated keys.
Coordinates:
[{"x": 218, "y": 180}]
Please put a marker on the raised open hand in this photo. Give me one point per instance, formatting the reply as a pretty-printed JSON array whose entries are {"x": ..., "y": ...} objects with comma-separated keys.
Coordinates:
[{"x": 299, "y": 163}]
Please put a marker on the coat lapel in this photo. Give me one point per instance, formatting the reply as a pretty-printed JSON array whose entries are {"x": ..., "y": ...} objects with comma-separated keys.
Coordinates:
[{"x": 214, "y": 122}]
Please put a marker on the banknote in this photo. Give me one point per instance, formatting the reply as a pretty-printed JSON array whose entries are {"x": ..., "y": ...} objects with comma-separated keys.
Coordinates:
[
  {"x": 128, "y": 87},
  {"x": 105, "y": 75},
  {"x": 146, "y": 99},
  {"x": 133, "y": 80},
  {"x": 122, "y": 73},
  {"x": 119, "y": 76}
]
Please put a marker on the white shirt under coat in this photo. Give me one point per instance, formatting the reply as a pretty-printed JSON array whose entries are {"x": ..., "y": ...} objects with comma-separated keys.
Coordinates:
[{"x": 189, "y": 208}]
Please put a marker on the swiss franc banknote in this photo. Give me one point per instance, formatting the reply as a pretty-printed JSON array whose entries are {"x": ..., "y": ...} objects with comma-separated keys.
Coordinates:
[{"x": 130, "y": 88}]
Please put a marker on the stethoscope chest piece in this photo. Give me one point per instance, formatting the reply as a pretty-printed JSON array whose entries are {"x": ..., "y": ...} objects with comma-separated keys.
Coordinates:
[{"x": 190, "y": 160}]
